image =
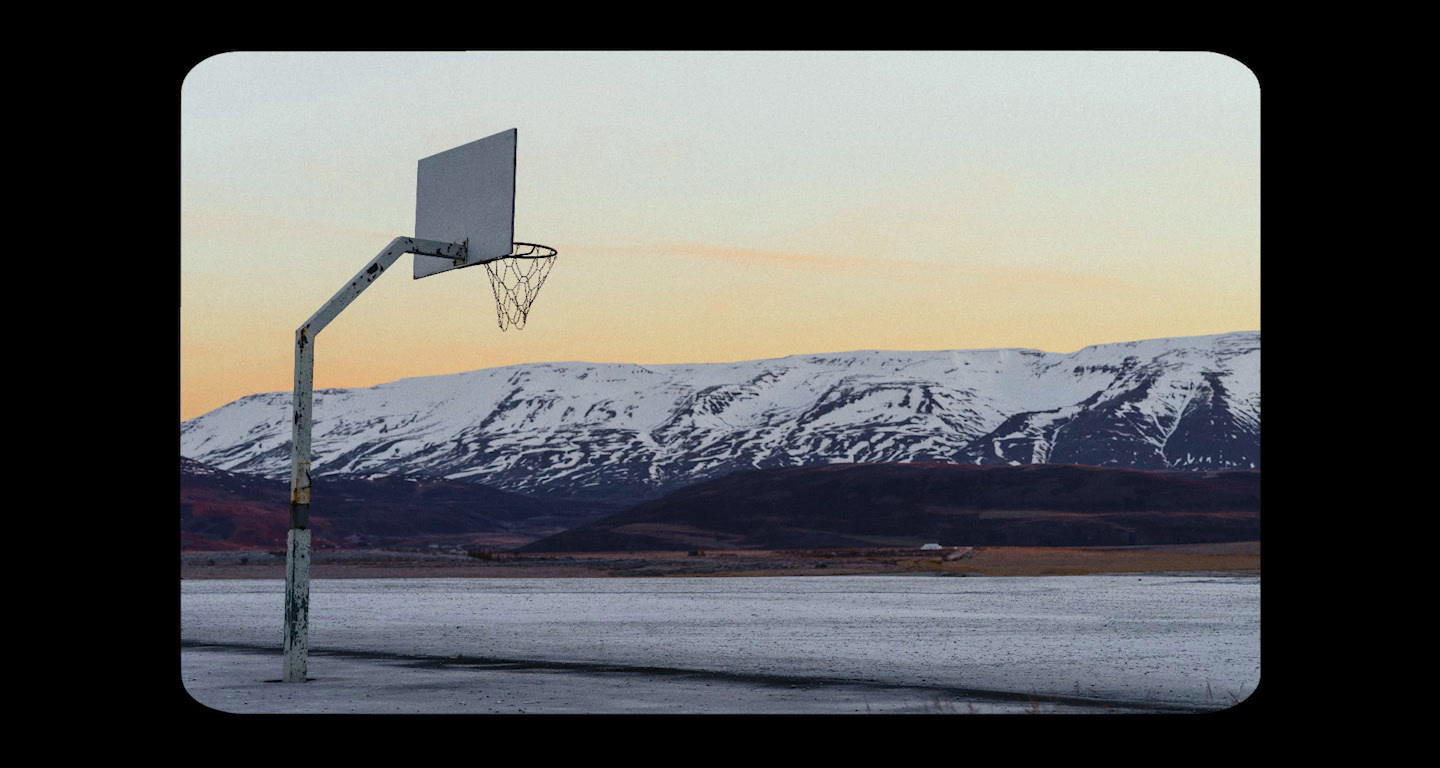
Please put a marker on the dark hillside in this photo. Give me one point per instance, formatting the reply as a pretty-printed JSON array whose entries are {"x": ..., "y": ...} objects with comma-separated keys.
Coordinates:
[
  {"x": 846, "y": 505},
  {"x": 222, "y": 510}
]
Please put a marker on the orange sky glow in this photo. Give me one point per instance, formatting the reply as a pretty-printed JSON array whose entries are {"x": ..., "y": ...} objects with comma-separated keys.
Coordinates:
[{"x": 713, "y": 207}]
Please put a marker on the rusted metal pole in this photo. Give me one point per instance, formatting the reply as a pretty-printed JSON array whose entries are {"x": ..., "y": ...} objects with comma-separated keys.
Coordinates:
[{"x": 297, "y": 539}]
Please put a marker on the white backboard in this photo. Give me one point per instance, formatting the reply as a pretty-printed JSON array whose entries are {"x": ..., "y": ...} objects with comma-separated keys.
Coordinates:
[{"x": 467, "y": 194}]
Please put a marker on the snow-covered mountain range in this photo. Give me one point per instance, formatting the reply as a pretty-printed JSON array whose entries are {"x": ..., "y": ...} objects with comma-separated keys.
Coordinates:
[{"x": 618, "y": 430}]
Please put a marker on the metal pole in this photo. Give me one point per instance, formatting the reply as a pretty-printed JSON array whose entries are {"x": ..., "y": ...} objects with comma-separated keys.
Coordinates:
[{"x": 297, "y": 539}]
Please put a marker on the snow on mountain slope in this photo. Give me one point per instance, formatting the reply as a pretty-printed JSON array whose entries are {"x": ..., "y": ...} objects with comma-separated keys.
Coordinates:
[{"x": 624, "y": 430}]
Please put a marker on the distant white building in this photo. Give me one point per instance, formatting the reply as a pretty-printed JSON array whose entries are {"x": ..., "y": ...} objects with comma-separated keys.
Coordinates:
[{"x": 932, "y": 546}]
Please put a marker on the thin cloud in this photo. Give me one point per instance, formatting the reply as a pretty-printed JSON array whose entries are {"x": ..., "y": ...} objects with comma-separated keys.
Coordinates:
[{"x": 909, "y": 270}]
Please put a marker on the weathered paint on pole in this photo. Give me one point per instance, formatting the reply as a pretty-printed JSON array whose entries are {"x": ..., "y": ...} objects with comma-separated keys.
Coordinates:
[
  {"x": 297, "y": 604},
  {"x": 297, "y": 541},
  {"x": 300, "y": 430}
]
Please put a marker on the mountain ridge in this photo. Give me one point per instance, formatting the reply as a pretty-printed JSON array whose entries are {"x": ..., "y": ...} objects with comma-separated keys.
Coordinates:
[{"x": 629, "y": 432}]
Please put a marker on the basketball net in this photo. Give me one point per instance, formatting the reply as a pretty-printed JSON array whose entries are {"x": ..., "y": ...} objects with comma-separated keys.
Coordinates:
[{"x": 516, "y": 280}]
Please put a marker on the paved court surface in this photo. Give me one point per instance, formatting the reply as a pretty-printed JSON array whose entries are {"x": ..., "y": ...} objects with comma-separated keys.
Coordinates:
[{"x": 789, "y": 645}]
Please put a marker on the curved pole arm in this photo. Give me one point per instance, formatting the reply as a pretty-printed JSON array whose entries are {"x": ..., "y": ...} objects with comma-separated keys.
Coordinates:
[
  {"x": 371, "y": 272},
  {"x": 305, "y": 357}
]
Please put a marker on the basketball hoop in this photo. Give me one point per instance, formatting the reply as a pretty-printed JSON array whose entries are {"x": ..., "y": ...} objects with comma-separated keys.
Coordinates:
[
  {"x": 516, "y": 279},
  {"x": 464, "y": 215}
]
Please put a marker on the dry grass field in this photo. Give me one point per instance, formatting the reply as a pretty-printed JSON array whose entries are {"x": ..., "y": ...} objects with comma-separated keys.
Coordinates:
[{"x": 1238, "y": 558}]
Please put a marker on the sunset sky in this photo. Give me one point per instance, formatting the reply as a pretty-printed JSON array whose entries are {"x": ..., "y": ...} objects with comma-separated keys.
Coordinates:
[{"x": 713, "y": 207}]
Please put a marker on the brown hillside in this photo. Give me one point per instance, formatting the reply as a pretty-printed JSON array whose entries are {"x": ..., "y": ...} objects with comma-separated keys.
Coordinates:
[{"x": 222, "y": 511}]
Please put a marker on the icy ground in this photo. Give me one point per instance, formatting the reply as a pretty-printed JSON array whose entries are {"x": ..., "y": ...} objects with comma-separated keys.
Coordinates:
[{"x": 815, "y": 645}]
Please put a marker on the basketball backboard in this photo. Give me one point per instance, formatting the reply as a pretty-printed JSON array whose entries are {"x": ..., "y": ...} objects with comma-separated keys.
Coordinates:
[{"x": 467, "y": 195}]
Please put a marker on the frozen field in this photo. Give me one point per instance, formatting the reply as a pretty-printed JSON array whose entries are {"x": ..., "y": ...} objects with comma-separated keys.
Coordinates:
[{"x": 839, "y": 644}]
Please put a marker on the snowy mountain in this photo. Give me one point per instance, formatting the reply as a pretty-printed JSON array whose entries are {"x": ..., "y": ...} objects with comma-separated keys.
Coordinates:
[{"x": 617, "y": 430}]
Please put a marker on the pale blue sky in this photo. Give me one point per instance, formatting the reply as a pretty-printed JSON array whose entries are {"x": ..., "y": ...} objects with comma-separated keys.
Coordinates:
[{"x": 726, "y": 205}]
